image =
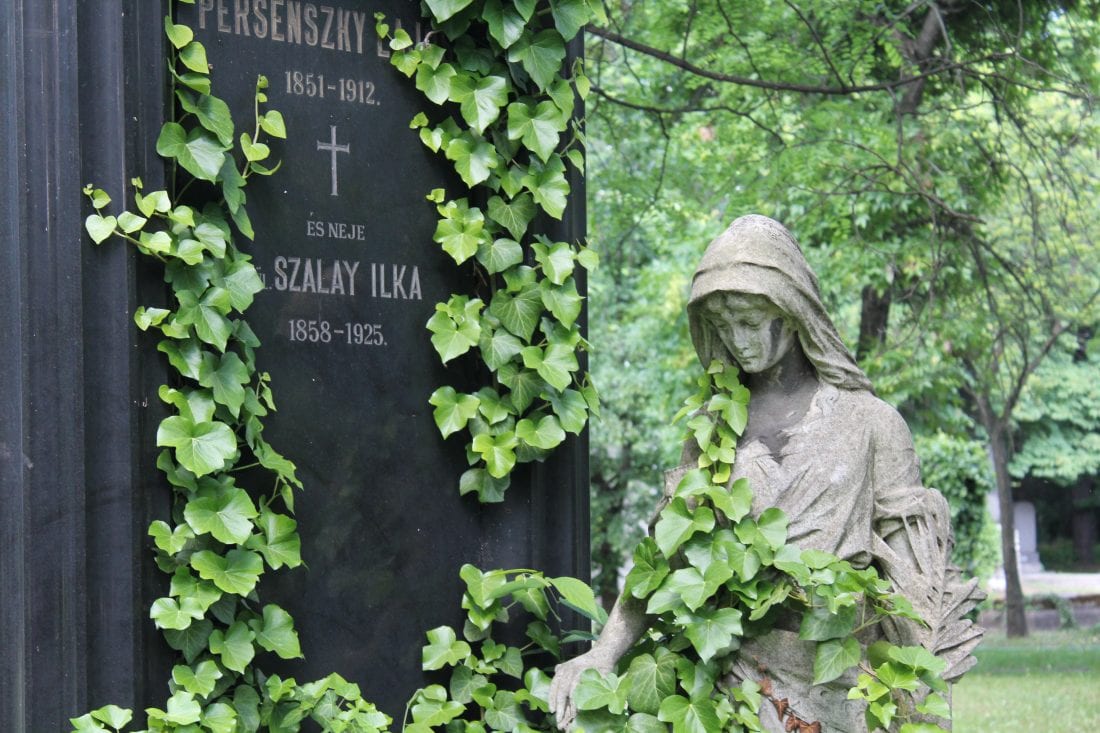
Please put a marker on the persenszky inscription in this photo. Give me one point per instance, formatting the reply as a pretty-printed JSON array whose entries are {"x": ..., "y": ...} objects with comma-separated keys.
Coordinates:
[{"x": 289, "y": 21}]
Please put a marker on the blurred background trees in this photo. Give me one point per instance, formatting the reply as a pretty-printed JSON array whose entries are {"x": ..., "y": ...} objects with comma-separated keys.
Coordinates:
[{"x": 938, "y": 163}]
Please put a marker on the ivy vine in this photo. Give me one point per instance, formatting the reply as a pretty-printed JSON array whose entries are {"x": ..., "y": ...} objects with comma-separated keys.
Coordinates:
[
  {"x": 506, "y": 121},
  {"x": 232, "y": 519},
  {"x": 711, "y": 575}
]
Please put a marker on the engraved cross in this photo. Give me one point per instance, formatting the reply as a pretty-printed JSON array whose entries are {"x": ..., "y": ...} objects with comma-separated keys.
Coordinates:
[{"x": 333, "y": 148}]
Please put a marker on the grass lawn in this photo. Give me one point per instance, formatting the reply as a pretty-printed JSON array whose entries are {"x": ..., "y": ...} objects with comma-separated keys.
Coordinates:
[{"x": 1046, "y": 683}]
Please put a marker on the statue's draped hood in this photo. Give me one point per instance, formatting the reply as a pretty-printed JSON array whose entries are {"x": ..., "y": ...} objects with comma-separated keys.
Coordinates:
[{"x": 758, "y": 256}]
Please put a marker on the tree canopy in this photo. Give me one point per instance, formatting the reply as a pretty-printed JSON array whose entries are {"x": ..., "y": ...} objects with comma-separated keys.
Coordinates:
[{"x": 936, "y": 160}]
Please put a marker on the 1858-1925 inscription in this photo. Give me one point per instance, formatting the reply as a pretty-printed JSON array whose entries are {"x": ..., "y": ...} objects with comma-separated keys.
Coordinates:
[{"x": 344, "y": 245}]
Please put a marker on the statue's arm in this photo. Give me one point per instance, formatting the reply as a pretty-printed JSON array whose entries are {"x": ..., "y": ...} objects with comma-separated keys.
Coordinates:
[{"x": 625, "y": 625}]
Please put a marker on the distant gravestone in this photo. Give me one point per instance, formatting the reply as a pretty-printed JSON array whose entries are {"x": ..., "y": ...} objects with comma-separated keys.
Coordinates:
[
  {"x": 344, "y": 244},
  {"x": 1027, "y": 538}
]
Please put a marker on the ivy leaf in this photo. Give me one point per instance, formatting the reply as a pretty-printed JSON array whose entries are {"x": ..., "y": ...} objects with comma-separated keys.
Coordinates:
[
  {"x": 834, "y": 658},
  {"x": 435, "y": 82},
  {"x": 504, "y": 713},
  {"x": 650, "y": 568},
  {"x": 200, "y": 154},
  {"x": 556, "y": 364},
  {"x": 650, "y": 679},
  {"x": 227, "y": 517},
  {"x": 168, "y": 613},
  {"x": 460, "y": 230},
  {"x": 525, "y": 385},
  {"x": 505, "y": 23},
  {"x": 489, "y": 490},
  {"x": 513, "y": 216},
  {"x": 273, "y": 123},
  {"x": 432, "y": 708},
  {"x": 595, "y": 691},
  {"x": 498, "y": 347},
  {"x": 227, "y": 382},
  {"x": 455, "y": 334},
  {"x": 242, "y": 282},
  {"x": 443, "y": 649},
  {"x": 562, "y": 301},
  {"x": 180, "y": 36},
  {"x": 579, "y": 595},
  {"x": 518, "y": 312},
  {"x": 452, "y": 410},
  {"x": 206, "y": 315},
  {"x": 678, "y": 523},
  {"x": 202, "y": 447},
  {"x": 556, "y": 260},
  {"x": 444, "y": 9},
  {"x": 734, "y": 503},
  {"x": 219, "y": 718},
  {"x": 99, "y": 228},
  {"x": 689, "y": 716},
  {"x": 234, "y": 646},
  {"x": 547, "y": 185},
  {"x": 540, "y": 55},
  {"x": 546, "y": 434},
  {"x": 820, "y": 625},
  {"x": 237, "y": 572},
  {"x": 538, "y": 128},
  {"x": 935, "y": 705},
  {"x": 193, "y": 56},
  {"x": 275, "y": 632},
  {"x": 474, "y": 158},
  {"x": 130, "y": 222},
  {"x": 480, "y": 99},
  {"x": 570, "y": 407},
  {"x": 190, "y": 641},
  {"x": 498, "y": 452},
  {"x": 212, "y": 113},
  {"x": 499, "y": 255},
  {"x": 199, "y": 680},
  {"x": 279, "y": 544},
  {"x": 569, "y": 16},
  {"x": 712, "y": 631}
]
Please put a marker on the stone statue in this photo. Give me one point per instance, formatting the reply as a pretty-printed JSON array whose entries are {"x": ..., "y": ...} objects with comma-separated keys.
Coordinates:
[{"x": 823, "y": 448}]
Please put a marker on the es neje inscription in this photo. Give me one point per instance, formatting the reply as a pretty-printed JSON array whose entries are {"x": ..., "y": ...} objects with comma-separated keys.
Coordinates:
[
  {"x": 339, "y": 277},
  {"x": 288, "y": 21},
  {"x": 336, "y": 230}
]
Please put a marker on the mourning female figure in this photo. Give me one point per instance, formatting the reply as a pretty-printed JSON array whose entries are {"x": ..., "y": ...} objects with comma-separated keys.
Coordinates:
[{"x": 823, "y": 448}]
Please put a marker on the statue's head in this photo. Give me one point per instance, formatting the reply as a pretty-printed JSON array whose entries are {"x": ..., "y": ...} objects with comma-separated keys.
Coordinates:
[{"x": 754, "y": 296}]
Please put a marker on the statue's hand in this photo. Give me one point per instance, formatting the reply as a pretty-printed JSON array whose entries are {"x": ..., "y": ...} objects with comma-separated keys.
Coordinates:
[{"x": 566, "y": 676}]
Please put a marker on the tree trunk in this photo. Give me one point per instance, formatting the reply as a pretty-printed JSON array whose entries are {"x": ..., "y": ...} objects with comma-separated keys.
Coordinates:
[
  {"x": 1084, "y": 521},
  {"x": 1015, "y": 618},
  {"x": 873, "y": 320}
]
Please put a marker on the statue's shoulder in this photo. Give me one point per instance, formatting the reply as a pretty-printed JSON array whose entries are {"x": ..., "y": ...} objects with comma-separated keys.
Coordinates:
[{"x": 873, "y": 414}]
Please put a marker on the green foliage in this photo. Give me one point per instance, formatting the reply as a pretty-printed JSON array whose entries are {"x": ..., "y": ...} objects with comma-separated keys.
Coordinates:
[
  {"x": 960, "y": 470},
  {"x": 224, "y": 535},
  {"x": 711, "y": 576},
  {"x": 505, "y": 120}
]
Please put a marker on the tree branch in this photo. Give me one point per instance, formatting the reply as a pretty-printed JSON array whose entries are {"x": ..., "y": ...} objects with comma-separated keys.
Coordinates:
[{"x": 782, "y": 86}]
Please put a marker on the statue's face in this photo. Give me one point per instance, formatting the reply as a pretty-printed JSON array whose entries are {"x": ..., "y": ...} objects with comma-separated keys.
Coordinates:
[{"x": 752, "y": 329}]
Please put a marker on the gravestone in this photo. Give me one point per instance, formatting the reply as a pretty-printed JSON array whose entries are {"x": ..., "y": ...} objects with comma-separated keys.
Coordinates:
[
  {"x": 344, "y": 245},
  {"x": 1027, "y": 538}
]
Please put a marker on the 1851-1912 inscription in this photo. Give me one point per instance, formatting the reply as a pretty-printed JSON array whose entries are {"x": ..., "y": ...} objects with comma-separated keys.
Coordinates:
[{"x": 344, "y": 244}]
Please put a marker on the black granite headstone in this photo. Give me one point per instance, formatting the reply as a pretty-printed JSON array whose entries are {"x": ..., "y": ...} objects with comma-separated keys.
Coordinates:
[{"x": 344, "y": 244}]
